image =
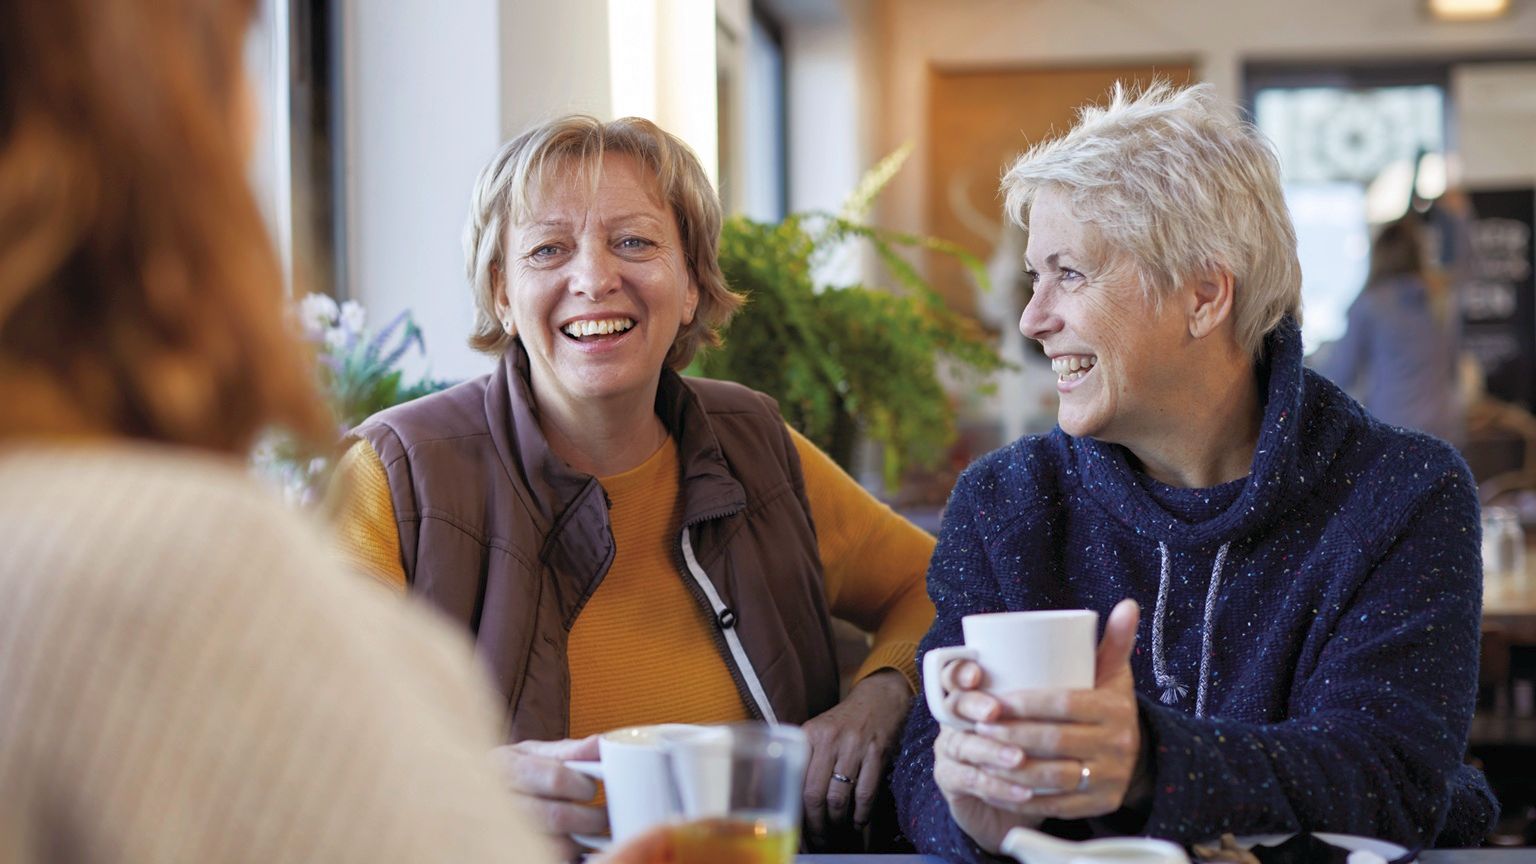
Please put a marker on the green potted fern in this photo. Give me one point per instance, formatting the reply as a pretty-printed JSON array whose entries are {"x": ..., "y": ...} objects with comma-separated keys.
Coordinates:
[{"x": 846, "y": 361}]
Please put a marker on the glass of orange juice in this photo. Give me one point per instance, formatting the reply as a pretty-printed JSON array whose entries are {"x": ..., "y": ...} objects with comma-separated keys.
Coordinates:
[{"x": 737, "y": 793}]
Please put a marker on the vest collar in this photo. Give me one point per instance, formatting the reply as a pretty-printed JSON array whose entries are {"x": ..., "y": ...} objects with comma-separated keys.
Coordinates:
[
  {"x": 710, "y": 490},
  {"x": 570, "y": 505}
]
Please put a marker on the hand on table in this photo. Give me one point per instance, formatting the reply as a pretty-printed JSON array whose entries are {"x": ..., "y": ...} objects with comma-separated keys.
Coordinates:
[
  {"x": 555, "y": 795},
  {"x": 1039, "y": 754},
  {"x": 850, "y": 746}
]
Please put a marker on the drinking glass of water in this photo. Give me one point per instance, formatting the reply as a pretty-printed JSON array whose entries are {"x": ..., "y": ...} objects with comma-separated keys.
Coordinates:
[
  {"x": 737, "y": 793},
  {"x": 1503, "y": 547}
]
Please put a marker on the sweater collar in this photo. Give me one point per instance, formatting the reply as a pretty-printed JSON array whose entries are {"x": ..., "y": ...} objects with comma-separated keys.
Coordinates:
[
  {"x": 709, "y": 489},
  {"x": 1283, "y": 471}
]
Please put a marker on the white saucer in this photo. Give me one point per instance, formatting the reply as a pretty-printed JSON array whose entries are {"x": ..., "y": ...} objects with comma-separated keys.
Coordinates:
[
  {"x": 1387, "y": 850},
  {"x": 1034, "y": 847}
]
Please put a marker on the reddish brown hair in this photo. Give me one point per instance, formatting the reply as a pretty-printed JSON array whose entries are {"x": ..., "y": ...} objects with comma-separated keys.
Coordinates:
[{"x": 138, "y": 285}]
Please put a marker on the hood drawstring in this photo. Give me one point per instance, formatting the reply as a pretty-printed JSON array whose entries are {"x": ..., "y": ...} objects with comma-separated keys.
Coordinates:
[{"x": 1173, "y": 690}]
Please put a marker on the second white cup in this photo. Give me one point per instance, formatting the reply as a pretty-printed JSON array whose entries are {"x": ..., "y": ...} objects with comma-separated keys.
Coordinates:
[
  {"x": 1034, "y": 650},
  {"x": 635, "y": 779}
]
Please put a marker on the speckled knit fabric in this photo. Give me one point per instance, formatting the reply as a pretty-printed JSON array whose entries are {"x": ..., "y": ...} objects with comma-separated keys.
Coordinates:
[
  {"x": 1341, "y": 663},
  {"x": 186, "y": 677}
]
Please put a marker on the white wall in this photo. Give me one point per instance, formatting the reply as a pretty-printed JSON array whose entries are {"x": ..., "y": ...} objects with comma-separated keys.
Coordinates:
[
  {"x": 422, "y": 89},
  {"x": 822, "y": 97},
  {"x": 1495, "y": 108},
  {"x": 554, "y": 60},
  {"x": 1219, "y": 34}
]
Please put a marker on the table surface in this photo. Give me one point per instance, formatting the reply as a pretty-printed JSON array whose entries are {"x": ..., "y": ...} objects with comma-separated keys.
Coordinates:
[
  {"x": 1510, "y": 597},
  {"x": 1510, "y": 605},
  {"x": 1433, "y": 856}
]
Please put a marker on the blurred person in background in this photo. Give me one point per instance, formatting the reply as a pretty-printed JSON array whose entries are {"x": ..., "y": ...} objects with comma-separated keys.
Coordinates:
[
  {"x": 1399, "y": 354},
  {"x": 184, "y": 674},
  {"x": 1290, "y": 590},
  {"x": 630, "y": 546}
]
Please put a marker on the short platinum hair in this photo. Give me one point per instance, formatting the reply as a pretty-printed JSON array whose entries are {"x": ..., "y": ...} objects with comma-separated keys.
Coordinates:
[
  {"x": 1175, "y": 181},
  {"x": 572, "y": 148}
]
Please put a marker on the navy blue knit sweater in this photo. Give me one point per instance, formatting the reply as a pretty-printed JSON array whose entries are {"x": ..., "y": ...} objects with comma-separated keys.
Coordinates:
[{"x": 1317, "y": 641}]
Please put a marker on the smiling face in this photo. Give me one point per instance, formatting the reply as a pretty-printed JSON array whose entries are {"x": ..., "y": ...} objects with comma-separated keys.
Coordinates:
[
  {"x": 1119, "y": 360},
  {"x": 597, "y": 288}
]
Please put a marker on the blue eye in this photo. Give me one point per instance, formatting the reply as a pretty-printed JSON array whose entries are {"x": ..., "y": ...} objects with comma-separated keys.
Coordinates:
[
  {"x": 635, "y": 243},
  {"x": 548, "y": 250}
]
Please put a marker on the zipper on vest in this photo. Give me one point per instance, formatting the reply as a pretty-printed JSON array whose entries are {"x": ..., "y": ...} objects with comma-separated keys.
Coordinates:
[
  {"x": 714, "y": 514},
  {"x": 748, "y": 686}
]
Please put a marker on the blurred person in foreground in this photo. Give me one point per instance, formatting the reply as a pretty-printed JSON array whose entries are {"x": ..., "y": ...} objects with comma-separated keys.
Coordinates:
[
  {"x": 1312, "y": 574},
  {"x": 627, "y": 545},
  {"x": 1399, "y": 353},
  {"x": 184, "y": 674}
]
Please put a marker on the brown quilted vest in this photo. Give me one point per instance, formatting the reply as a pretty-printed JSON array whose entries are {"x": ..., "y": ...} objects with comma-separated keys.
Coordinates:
[{"x": 501, "y": 535}]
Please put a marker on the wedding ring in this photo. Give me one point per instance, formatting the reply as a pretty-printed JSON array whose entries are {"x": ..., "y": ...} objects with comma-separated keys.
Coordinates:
[
  {"x": 841, "y": 778},
  {"x": 1082, "y": 780}
]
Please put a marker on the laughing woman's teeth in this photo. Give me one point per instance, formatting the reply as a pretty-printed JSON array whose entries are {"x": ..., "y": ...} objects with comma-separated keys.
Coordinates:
[
  {"x": 605, "y": 327},
  {"x": 1072, "y": 368}
]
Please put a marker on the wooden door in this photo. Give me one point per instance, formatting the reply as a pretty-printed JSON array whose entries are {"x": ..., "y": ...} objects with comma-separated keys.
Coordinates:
[{"x": 979, "y": 121}]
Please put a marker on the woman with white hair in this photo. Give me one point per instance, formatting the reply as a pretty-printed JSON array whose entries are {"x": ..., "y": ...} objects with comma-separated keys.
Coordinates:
[{"x": 1313, "y": 576}]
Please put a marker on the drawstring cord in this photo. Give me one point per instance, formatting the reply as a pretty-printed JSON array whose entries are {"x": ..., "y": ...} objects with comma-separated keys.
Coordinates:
[{"x": 1173, "y": 689}]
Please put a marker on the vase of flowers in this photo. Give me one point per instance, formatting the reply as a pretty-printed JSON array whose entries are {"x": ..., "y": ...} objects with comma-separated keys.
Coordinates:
[{"x": 360, "y": 374}]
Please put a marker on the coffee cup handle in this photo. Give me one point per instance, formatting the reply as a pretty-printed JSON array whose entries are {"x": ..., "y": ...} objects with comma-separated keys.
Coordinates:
[
  {"x": 933, "y": 687},
  {"x": 594, "y": 770}
]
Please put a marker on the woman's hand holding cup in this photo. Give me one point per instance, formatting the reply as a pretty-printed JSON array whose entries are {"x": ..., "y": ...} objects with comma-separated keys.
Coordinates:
[
  {"x": 1017, "y": 757},
  {"x": 558, "y": 797}
]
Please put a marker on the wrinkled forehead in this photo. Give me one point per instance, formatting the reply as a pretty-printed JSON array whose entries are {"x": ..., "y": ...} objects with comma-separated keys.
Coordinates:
[
  {"x": 579, "y": 175},
  {"x": 1056, "y": 226}
]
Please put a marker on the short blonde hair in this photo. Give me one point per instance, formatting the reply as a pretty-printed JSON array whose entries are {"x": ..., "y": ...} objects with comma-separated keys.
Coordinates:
[
  {"x": 576, "y": 144},
  {"x": 1173, "y": 178}
]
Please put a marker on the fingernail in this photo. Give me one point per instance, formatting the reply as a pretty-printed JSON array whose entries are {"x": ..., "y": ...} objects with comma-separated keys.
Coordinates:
[
  {"x": 1010, "y": 757},
  {"x": 1020, "y": 793},
  {"x": 991, "y": 730}
]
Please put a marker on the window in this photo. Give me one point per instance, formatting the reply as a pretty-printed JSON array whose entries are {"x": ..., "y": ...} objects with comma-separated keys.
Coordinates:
[
  {"x": 1351, "y": 145},
  {"x": 292, "y": 61}
]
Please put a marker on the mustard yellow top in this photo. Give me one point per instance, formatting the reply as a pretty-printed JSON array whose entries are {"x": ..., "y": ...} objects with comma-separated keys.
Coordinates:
[{"x": 641, "y": 631}]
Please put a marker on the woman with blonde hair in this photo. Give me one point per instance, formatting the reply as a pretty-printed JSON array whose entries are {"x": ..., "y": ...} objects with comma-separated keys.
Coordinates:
[
  {"x": 184, "y": 674},
  {"x": 630, "y": 546},
  {"x": 1290, "y": 589}
]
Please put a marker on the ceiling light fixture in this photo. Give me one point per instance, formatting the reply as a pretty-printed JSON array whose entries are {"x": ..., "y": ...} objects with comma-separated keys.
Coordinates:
[{"x": 1467, "y": 10}]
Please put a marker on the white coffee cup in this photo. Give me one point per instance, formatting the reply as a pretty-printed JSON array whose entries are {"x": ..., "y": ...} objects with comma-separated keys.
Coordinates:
[
  {"x": 633, "y": 769},
  {"x": 751, "y": 774},
  {"x": 1036, "y": 650}
]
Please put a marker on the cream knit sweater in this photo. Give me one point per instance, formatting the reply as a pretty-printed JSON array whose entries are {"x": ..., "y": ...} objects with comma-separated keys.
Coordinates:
[{"x": 186, "y": 675}]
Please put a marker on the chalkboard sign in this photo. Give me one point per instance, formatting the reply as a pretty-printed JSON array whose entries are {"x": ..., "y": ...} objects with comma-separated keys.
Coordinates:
[{"x": 1498, "y": 296}]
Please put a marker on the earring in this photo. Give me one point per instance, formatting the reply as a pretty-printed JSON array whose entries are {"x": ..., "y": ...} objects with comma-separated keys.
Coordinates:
[{"x": 507, "y": 326}]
